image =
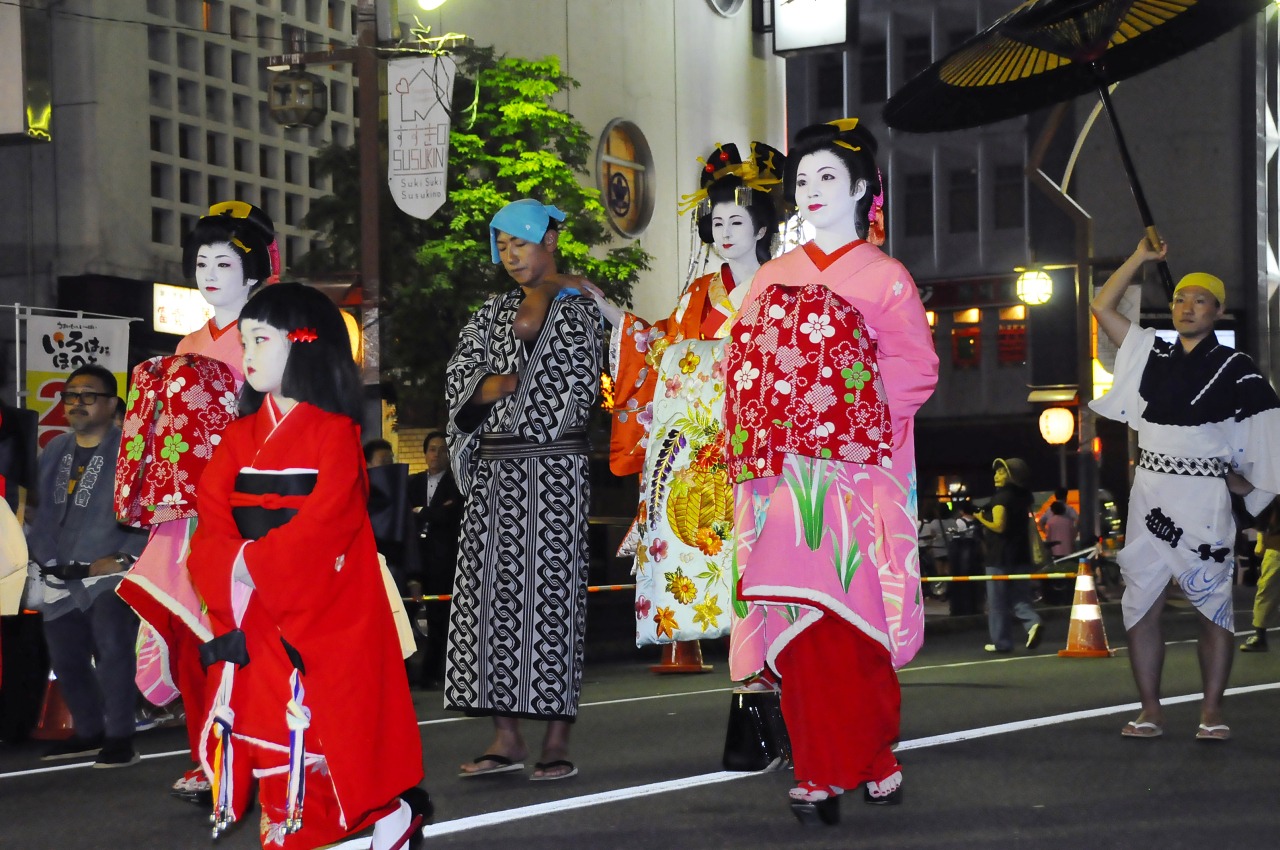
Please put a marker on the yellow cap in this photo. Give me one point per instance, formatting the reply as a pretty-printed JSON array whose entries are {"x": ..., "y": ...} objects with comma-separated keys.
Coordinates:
[{"x": 1204, "y": 281}]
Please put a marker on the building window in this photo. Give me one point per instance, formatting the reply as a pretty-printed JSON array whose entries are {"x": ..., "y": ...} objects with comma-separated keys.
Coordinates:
[
  {"x": 217, "y": 190},
  {"x": 160, "y": 181},
  {"x": 240, "y": 68},
  {"x": 187, "y": 147},
  {"x": 215, "y": 148},
  {"x": 189, "y": 97},
  {"x": 159, "y": 90},
  {"x": 267, "y": 162},
  {"x": 1009, "y": 197},
  {"x": 215, "y": 58},
  {"x": 624, "y": 166},
  {"x": 240, "y": 24},
  {"x": 161, "y": 226},
  {"x": 966, "y": 346},
  {"x": 873, "y": 73},
  {"x": 830, "y": 83},
  {"x": 160, "y": 135},
  {"x": 917, "y": 203},
  {"x": 188, "y": 187},
  {"x": 158, "y": 45},
  {"x": 242, "y": 154},
  {"x": 962, "y": 200},
  {"x": 915, "y": 55}
]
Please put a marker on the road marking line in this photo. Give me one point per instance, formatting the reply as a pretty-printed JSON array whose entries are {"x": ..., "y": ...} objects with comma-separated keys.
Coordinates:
[{"x": 508, "y": 815}]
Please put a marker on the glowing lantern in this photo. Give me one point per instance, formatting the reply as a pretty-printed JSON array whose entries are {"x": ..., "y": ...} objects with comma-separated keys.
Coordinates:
[{"x": 1057, "y": 424}]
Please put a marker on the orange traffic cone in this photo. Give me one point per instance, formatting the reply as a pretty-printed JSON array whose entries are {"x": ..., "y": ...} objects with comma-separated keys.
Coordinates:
[
  {"x": 55, "y": 720},
  {"x": 1086, "y": 638},
  {"x": 682, "y": 656}
]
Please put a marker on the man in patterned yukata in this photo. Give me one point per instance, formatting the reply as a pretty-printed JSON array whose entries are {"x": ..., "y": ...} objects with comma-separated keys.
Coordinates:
[
  {"x": 1208, "y": 426},
  {"x": 520, "y": 388}
]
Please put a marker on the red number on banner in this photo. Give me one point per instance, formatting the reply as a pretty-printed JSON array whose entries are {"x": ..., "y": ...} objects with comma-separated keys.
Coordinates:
[{"x": 54, "y": 419}]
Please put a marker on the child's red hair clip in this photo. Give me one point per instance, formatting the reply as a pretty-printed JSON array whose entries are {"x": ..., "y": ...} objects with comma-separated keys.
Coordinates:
[{"x": 303, "y": 335}]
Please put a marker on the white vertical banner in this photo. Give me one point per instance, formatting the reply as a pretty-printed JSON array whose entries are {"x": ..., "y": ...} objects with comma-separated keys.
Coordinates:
[
  {"x": 419, "y": 94},
  {"x": 57, "y": 346}
]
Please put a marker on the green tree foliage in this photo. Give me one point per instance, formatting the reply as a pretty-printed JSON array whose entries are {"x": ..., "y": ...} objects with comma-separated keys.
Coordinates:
[{"x": 508, "y": 142}]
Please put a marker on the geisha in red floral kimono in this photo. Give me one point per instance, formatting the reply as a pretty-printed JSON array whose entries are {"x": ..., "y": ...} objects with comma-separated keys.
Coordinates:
[
  {"x": 830, "y": 358},
  {"x": 308, "y": 693},
  {"x": 669, "y": 384},
  {"x": 177, "y": 408}
]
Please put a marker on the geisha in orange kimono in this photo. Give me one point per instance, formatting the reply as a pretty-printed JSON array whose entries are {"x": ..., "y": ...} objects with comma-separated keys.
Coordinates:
[
  {"x": 668, "y": 381},
  {"x": 177, "y": 408},
  {"x": 308, "y": 693},
  {"x": 830, "y": 357}
]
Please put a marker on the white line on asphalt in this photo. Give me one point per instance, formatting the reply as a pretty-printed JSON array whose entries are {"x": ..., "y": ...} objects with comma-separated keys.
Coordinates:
[{"x": 508, "y": 815}]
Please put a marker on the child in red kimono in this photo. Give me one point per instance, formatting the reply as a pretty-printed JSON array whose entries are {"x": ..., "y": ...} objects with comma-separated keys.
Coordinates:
[{"x": 309, "y": 691}]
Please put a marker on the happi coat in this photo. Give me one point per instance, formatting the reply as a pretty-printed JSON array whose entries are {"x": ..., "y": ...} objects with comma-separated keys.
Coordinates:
[
  {"x": 1197, "y": 414},
  {"x": 825, "y": 536},
  {"x": 316, "y": 594},
  {"x": 518, "y": 618},
  {"x": 668, "y": 380}
]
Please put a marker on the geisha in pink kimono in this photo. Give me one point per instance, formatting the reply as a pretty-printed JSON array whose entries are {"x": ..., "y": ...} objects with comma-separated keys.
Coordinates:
[
  {"x": 829, "y": 359},
  {"x": 177, "y": 409},
  {"x": 668, "y": 380}
]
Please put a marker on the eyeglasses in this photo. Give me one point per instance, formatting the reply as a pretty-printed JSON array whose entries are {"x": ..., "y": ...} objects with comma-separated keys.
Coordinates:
[{"x": 84, "y": 397}]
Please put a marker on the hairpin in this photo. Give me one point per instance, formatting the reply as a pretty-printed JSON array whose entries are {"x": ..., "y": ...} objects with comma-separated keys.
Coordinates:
[
  {"x": 240, "y": 245},
  {"x": 303, "y": 335}
]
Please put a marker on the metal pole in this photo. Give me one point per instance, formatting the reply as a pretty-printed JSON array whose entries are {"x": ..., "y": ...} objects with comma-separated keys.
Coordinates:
[
  {"x": 1085, "y": 424},
  {"x": 366, "y": 63},
  {"x": 1139, "y": 196}
]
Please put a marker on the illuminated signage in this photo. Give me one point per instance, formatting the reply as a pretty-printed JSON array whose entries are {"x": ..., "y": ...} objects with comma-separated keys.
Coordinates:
[
  {"x": 178, "y": 309},
  {"x": 813, "y": 25}
]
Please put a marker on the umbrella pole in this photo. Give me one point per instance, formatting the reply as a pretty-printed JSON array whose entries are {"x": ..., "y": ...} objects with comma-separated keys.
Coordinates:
[{"x": 1143, "y": 210}]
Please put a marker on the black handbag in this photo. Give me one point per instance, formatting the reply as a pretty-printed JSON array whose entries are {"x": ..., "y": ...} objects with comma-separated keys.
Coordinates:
[{"x": 757, "y": 735}]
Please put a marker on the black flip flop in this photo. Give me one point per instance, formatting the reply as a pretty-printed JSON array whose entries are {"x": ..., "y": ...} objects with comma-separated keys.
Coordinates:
[
  {"x": 504, "y": 765},
  {"x": 552, "y": 765}
]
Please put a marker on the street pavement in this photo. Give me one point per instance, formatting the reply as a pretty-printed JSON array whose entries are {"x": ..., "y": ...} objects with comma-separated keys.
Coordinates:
[{"x": 1019, "y": 750}]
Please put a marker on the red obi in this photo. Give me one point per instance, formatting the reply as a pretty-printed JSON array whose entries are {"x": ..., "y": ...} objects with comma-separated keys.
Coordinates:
[
  {"x": 178, "y": 407},
  {"x": 802, "y": 377}
]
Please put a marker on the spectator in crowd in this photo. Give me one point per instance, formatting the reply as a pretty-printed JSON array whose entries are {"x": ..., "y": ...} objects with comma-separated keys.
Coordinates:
[
  {"x": 1007, "y": 520},
  {"x": 437, "y": 513},
  {"x": 1268, "y": 594},
  {"x": 966, "y": 560},
  {"x": 79, "y": 553}
]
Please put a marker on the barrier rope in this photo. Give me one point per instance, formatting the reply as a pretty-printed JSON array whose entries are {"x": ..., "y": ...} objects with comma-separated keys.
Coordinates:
[{"x": 601, "y": 588}]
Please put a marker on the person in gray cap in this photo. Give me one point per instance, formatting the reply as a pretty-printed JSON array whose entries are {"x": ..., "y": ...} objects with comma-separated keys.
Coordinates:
[
  {"x": 1008, "y": 545},
  {"x": 520, "y": 388}
]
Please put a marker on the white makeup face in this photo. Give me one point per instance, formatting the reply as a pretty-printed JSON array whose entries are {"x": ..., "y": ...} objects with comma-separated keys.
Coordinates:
[
  {"x": 266, "y": 351},
  {"x": 732, "y": 233},
  {"x": 825, "y": 194},
  {"x": 220, "y": 275}
]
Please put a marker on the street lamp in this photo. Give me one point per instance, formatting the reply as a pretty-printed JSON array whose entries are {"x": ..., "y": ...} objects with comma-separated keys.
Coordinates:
[
  {"x": 1034, "y": 287},
  {"x": 1057, "y": 424}
]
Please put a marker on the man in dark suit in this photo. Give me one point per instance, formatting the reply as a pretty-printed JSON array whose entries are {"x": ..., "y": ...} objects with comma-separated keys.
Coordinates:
[{"x": 437, "y": 511}]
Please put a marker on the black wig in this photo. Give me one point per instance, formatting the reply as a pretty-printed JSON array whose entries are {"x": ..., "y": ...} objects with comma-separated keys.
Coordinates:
[
  {"x": 321, "y": 371},
  {"x": 760, "y": 208},
  {"x": 248, "y": 230},
  {"x": 854, "y": 146}
]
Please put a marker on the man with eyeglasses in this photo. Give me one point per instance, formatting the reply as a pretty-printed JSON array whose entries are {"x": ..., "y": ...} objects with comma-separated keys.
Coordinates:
[{"x": 79, "y": 553}]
